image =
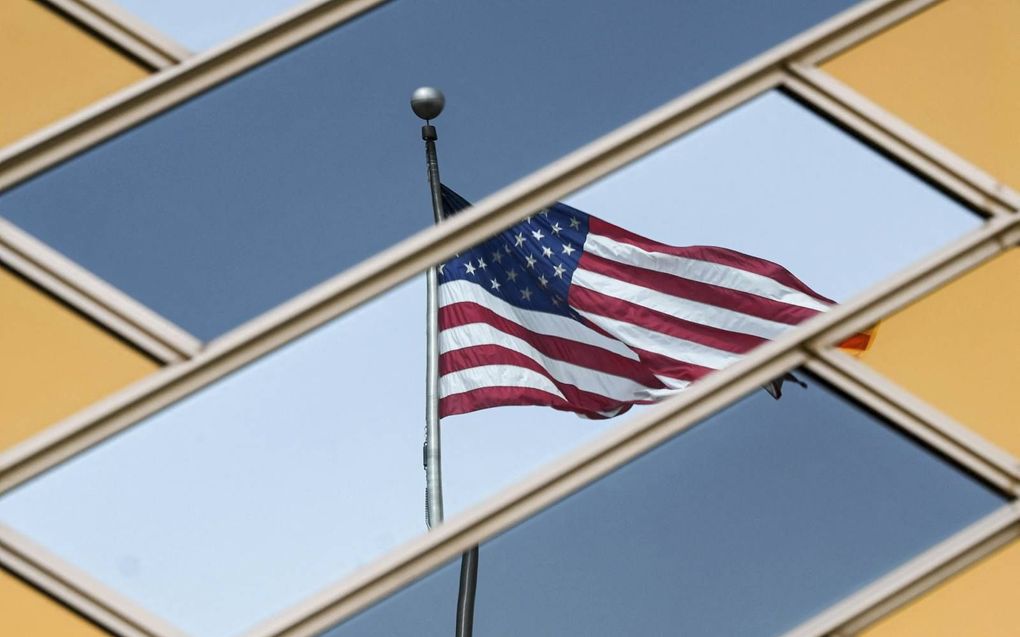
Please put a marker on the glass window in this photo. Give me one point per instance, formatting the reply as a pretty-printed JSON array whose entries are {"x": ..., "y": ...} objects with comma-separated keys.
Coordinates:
[
  {"x": 312, "y": 162},
  {"x": 950, "y": 72},
  {"x": 296, "y": 436},
  {"x": 775, "y": 180},
  {"x": 748, "y": 524},
  {"x": 26, "y": 611},
  {"x": 978, "y": 601},
  {"x": 50, "y": 67},
  {"x": 55, "y": 361},
  {"x": 201, "y": 24},
  {"x": 959, "y": 349}
]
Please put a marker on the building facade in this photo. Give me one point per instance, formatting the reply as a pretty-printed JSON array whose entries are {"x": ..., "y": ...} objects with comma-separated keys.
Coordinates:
[{"x": 211, "y": 303}]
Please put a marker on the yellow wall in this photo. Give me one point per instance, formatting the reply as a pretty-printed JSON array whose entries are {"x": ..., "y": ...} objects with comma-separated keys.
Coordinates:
[
  {"x": 26, "y": 612},
  {"x": 981, "y": 601},
  {"x": 959, "y": 349},
  {"x": 952, "y": 73},
  {"x": 53, "y": 362},
  {"x": 50, "y": 68}
]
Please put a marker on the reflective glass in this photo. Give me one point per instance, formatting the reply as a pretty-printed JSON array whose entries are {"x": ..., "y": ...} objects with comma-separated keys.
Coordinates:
[
  {"x": 959, "y": 349},
  {"x": 978, "y": 601},
  {"x": 26, "y": 611},
  {"x": 54, "y": 360},
  {"x": 201, "y": 24},
  {"x": 50, "y": 67},
  {"x": 312, "y": 162},
  {"x": 949, "y": 71},
  {"x": 306, "y": 463},
  {"x": 753, "y": 521}
]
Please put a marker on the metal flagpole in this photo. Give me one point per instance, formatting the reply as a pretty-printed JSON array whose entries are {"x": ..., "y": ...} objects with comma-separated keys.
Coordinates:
[{"x": 427, "y": 103}]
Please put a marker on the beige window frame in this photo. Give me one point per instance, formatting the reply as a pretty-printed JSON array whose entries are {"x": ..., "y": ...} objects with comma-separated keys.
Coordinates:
[
  {"x": 88, "y": 294},
  {"x": 126, "y": 31}
]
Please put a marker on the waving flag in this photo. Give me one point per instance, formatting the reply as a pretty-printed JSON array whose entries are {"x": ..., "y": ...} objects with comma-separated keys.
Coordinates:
[{"x": 569, "y": 311}]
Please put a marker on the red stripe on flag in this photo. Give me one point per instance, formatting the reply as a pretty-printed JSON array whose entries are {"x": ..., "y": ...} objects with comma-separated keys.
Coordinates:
[
  {"x": 710, "y": 254},
  {"x": 714, "y": 295},
  {"x": 671, "y": 367},
  {"x": 481, "y": 355},
  {"x": 487, "y": 397},
  {"x": 559, "y": 348},
  {"x": 604, "y": 305}
]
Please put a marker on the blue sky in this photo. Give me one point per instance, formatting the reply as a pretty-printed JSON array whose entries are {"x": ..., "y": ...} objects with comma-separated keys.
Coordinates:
[
  {"x": 305, "y": 465},
  {"x": 202, "y": 24}
]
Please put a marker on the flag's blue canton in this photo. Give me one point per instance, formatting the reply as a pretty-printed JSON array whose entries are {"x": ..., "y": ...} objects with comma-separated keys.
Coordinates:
[{"x": 529, "y": 265}]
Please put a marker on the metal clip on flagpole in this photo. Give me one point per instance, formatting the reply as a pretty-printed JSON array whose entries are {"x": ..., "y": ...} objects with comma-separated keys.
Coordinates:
[{"x": 427, "y": 103}]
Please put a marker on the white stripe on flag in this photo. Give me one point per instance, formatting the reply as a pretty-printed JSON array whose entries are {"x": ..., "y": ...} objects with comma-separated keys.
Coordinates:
[
  {"x": 467, "y": 380},
  {"x": 590, "y": 380},
  {"x": 701, "y": 271},
  {"x": 669, "y": 346},
  {"x": 693, "y": 311},
  {"x": 541, "y": 322},
  {"x": 673, "y": 383}
]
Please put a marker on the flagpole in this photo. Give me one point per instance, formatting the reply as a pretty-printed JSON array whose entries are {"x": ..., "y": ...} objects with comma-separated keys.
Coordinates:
[{"x": 427, "y": 103}]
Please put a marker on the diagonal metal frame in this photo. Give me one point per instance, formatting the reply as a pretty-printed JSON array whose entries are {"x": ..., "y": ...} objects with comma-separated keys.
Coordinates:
[
  {"x": 775, "y": 68},
  {"x": 68, "y": 295},
  {"x": 125, "y": 31},
  {"x": 940, "y": 428},
  {"x": 92, "y": 296},
  {"x": 74, "y": 588},
  {"x": 946, "y": 167},
  {"x": 916, "y": 577}
]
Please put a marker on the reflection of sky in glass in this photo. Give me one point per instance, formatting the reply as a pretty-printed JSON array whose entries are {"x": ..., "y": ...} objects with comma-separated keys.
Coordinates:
[
  {"x": 289, "y": 474},
  {"x": 253, "y": 191},
  {"x": 747, "y": 524},
  {"x": 201, "y": 24}
]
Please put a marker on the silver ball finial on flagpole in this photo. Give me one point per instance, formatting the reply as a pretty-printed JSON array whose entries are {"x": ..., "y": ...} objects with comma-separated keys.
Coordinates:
[{"x": 427, "y": 102}]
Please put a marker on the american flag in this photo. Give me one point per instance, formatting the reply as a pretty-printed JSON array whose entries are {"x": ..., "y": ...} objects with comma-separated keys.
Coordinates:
[{"x": 569, "y": 311}]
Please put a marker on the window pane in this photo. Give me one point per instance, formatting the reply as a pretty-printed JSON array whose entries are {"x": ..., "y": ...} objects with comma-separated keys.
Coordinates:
[
  {"x": 313, "y": 161},
  {"x": 950, "y": 72},
  {"x": 336, "y": 416},
  {"x": 50, "y": 67},
  {"x": 55, "y": 361},
  {"x": 959, "y": 349},
  {"x": 774, "y": 180},
  {"x": 979, "y": 601},
  {"x": 751, "y": 522},
  {"x": 201, "y": 24},
  {"x": 26, "y": 611}
]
